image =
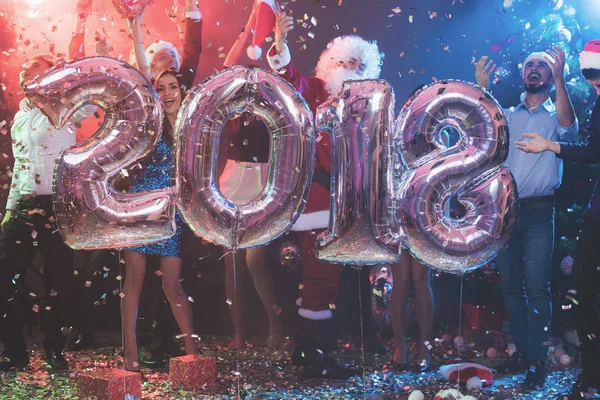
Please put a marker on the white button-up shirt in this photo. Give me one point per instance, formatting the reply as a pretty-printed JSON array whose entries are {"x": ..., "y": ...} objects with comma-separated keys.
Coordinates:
[{"x": 36, "y": 145}]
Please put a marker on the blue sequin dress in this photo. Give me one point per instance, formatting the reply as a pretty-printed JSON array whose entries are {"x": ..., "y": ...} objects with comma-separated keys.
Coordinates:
[{"x": 157, "y": 175}]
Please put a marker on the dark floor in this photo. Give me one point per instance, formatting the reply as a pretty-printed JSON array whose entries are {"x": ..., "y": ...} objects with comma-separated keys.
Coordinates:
[{"x": 267, "y": 374}]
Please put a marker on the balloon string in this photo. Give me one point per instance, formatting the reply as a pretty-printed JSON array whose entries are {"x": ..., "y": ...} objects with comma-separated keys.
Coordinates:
[
  {"x": 362, "y": 337},
  {"x": 460, "y": 328},
  {"x": 235, "y": 297},
  {"x": 122, "y": 330}
]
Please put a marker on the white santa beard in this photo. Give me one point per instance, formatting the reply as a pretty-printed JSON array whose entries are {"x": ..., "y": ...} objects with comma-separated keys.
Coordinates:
[{"x": 336, "y": 77}]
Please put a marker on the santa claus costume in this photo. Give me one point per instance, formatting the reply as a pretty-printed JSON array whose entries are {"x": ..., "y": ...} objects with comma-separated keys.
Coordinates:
[{"x": 346, "y": 58}]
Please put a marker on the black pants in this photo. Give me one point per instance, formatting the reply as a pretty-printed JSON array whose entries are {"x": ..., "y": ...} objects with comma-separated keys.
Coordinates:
[
  {"x": 156, "y": 323},
  {"x": 33, "y": 227},
  {"x": 586, "y": 279},
  {"x": 94, "y": 286}
]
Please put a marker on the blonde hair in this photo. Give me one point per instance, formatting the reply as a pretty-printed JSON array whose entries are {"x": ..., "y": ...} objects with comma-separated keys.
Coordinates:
[{"x": 343, "y": 48}]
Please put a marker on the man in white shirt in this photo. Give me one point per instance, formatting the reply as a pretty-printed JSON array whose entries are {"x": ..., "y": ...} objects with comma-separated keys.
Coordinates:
[
  {"x": 29, "y": 225},
  {"x": 525, "y": 265}
]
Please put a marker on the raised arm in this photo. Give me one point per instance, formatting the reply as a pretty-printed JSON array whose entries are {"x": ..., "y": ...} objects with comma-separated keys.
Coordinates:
[
  {"x": 564, "y": 108},
  {"x": 83, "y": 9},
  {"x": 280, "y": 60},
  {"x": 192, "y": 43},
  {"x": 138, "y": 45}
]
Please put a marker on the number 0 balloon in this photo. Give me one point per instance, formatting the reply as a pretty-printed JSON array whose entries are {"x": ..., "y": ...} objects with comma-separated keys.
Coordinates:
[{"x": 207, "y": 212}]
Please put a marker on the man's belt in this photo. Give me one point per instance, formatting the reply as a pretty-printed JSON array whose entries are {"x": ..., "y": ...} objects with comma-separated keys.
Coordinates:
[{"x": 536, "y": 200}]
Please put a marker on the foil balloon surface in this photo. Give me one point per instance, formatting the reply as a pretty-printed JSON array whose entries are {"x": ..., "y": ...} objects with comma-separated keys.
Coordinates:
[
  {"x": 456, "y": 202},
  {"x": 198, "y": 129},
  {"x": 359, "y": 118},
  {"x": 90, "y": 212}
]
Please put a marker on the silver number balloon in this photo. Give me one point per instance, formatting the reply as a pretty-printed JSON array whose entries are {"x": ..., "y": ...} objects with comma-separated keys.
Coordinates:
[
  {"x": 472, "y": 170},
  {"x": 207, "y": 212},
  {"x": 90, "y": 213},
  {"x": 360, "y": 119}
]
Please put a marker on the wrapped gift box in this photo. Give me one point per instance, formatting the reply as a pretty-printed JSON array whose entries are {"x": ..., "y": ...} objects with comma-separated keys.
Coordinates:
[
  {"x": 499, "y": 339},
  {"x": 193, "y": 372},
  {"x": 480, "y": 318},
  {"x": 114, "y": 384}
]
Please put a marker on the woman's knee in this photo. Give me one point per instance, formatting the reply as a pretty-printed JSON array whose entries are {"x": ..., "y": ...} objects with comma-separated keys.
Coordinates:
[{"x": 173, "y": 290}]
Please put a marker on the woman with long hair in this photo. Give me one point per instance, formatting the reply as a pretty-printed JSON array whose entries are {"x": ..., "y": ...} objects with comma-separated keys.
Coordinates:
[{"x": 156, "y": 175}]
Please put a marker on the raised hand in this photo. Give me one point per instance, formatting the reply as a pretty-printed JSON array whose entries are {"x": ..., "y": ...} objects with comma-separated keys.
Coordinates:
[
  {"x": 102, "y": 48},
  {"x": 558, "y": 66},
  {"x": 483, "y": 71},
  {"x": 135, "y": 21},
  {"x": 285, "y": 23}
]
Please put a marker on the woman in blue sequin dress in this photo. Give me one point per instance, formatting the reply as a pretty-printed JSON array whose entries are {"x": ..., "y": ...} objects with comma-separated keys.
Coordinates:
[{"x": 156, "y": 175}]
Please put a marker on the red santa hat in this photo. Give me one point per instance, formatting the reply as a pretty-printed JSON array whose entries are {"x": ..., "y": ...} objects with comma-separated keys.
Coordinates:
[
  {"x": 155, "y": 48},
  {"x": 590, "y": 56},
  {"x": 463, "y": 371},
  {"x": 262, "y": 22},
  {"x": 538, "y": 55}
]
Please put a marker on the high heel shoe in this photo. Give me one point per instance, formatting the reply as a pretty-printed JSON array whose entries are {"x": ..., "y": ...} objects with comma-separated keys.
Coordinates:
[
  {"x": 424, "y": 364},
  {"x": 400, "y": 367}
]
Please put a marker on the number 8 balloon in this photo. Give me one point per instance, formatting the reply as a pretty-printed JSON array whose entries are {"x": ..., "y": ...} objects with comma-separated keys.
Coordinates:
[
  {"x": 90, "y": 213},
  {"x": 206, "y": 211},
  {"x": 472, "y": 170}
]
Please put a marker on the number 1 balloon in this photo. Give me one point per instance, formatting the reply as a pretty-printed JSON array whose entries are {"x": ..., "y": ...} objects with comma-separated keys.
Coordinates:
[{"x": 360, "y": 118}]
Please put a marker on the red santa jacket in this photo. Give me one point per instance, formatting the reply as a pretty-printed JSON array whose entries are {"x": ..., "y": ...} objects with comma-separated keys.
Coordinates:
[{"x": 316, "y": 211}]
